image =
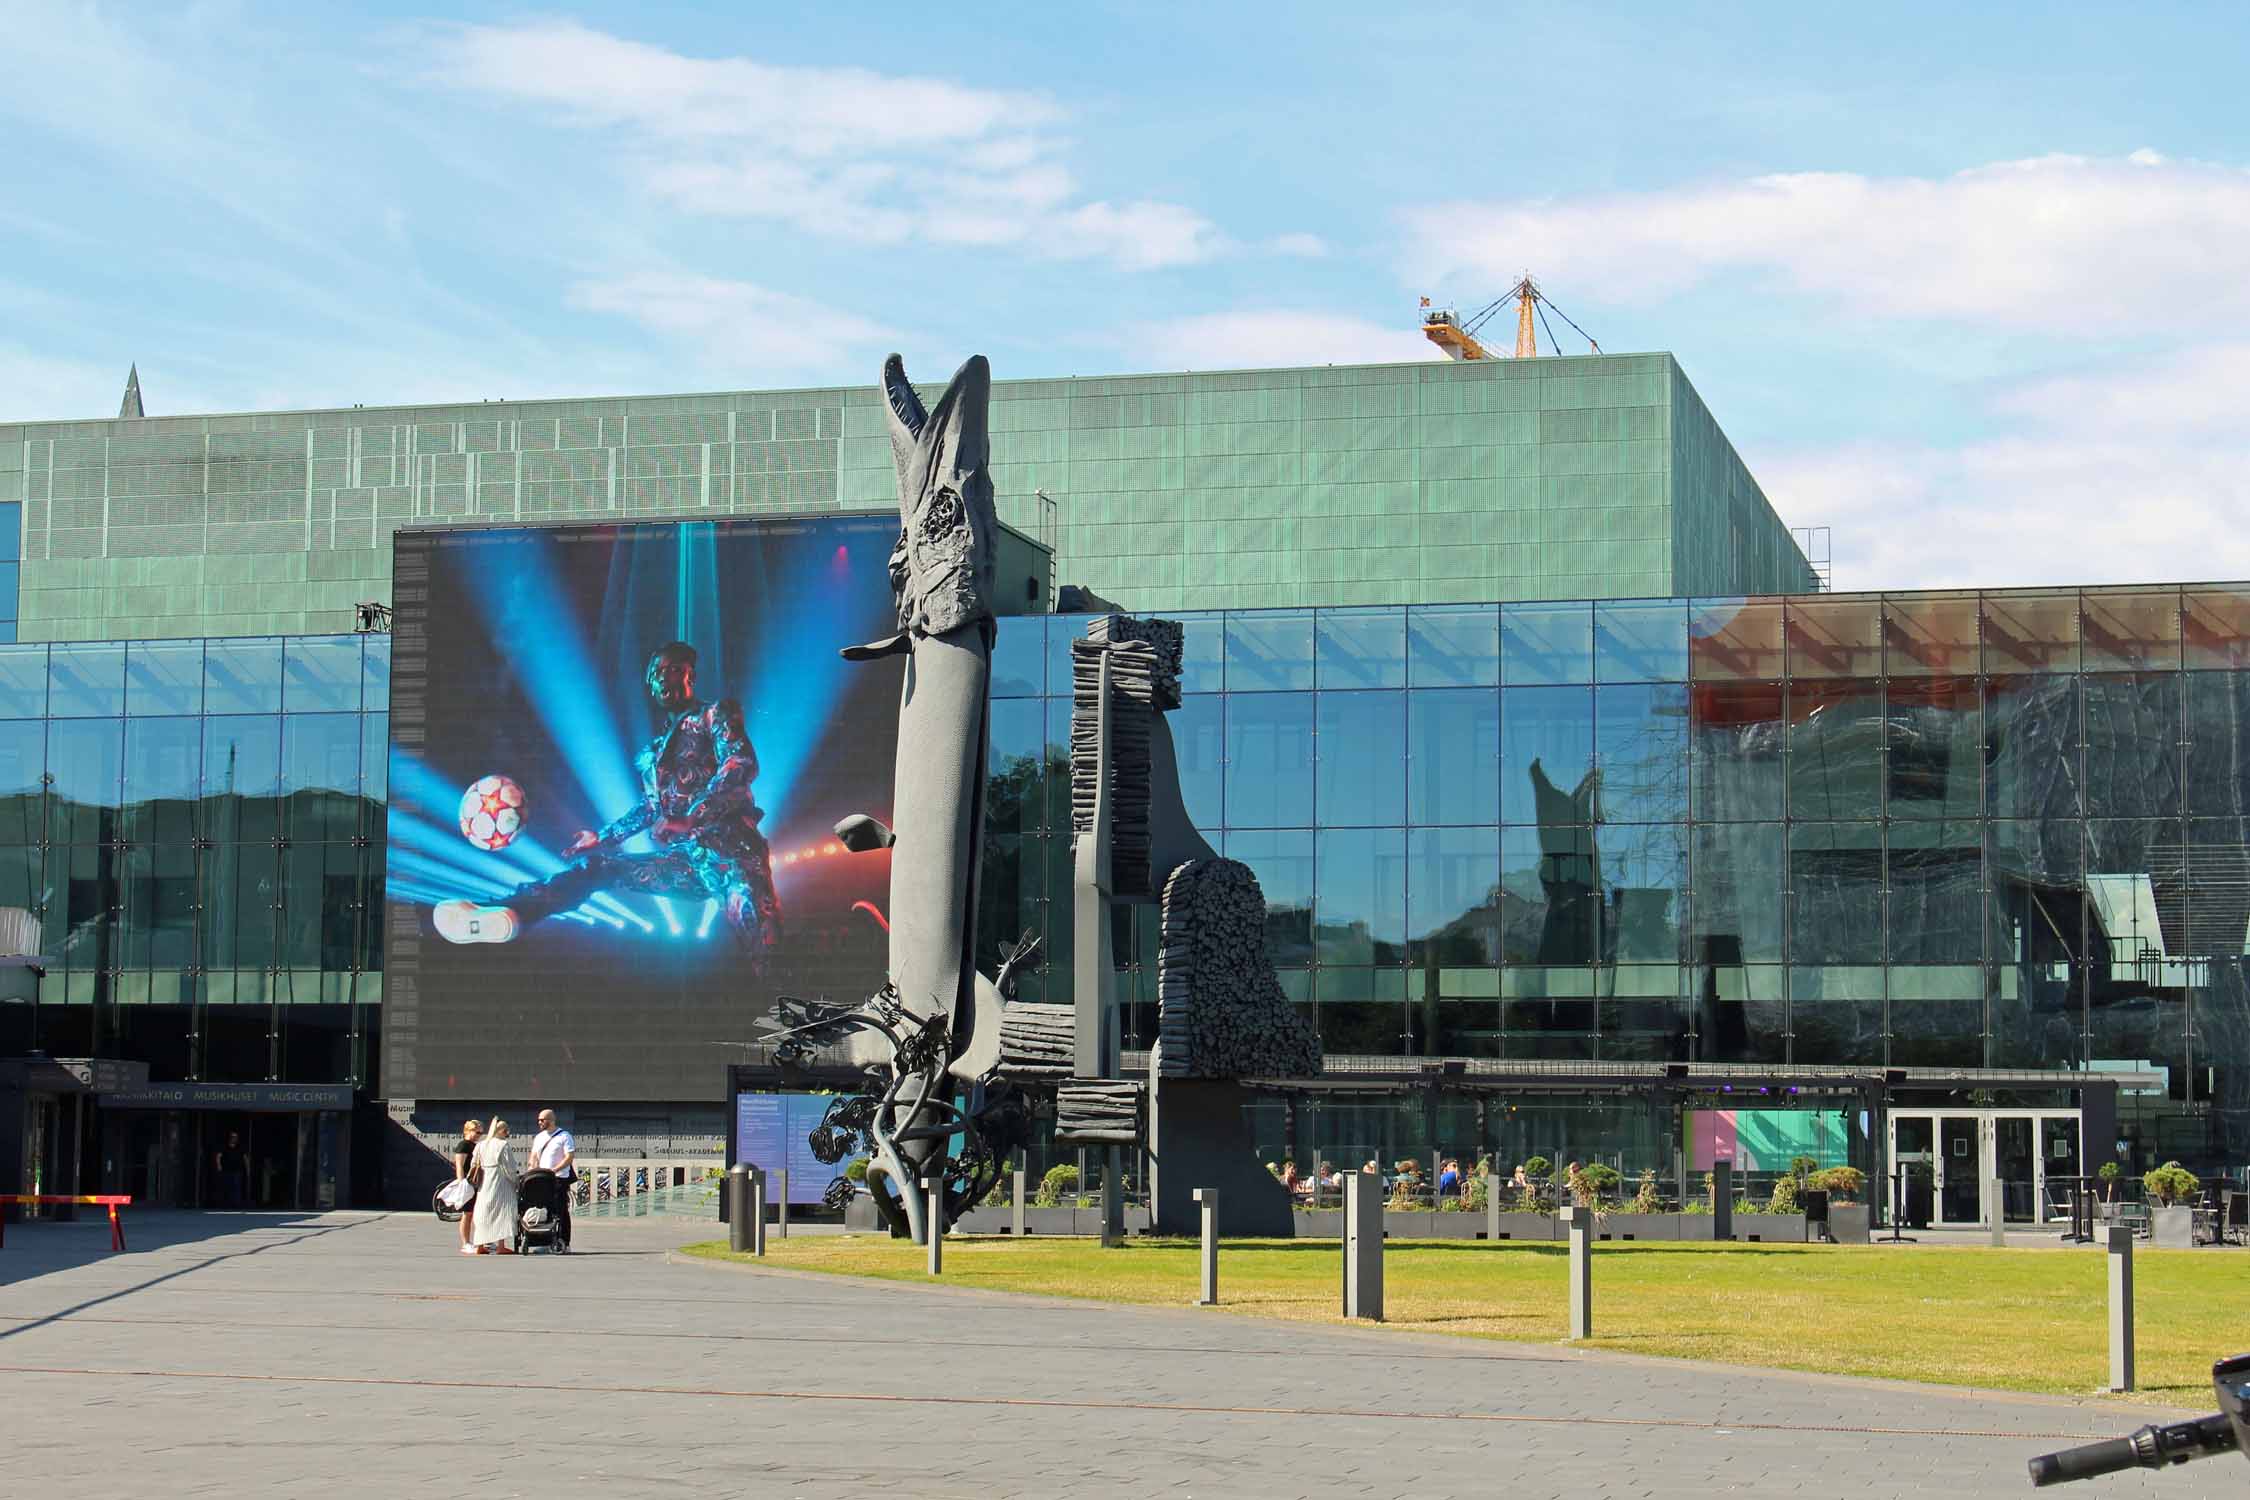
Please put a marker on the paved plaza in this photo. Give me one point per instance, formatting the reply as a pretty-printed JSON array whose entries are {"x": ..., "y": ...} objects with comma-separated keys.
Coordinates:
[{"x": 357, "y": 1354}]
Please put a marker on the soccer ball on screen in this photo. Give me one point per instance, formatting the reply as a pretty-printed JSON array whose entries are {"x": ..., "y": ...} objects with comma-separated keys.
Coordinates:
[{"x": 492, "y": 812}]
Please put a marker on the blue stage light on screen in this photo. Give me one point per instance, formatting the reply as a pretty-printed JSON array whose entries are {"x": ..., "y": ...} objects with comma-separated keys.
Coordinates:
[
  {"x": 710, "y": 915},
  {"x": 671, "y": 917},
  {"x": 593, "y": 913},
  {"x": 619, "y": 907}
]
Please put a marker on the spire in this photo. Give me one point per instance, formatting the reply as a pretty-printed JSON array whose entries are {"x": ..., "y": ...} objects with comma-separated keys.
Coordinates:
[{"x": 131, "y": 405}]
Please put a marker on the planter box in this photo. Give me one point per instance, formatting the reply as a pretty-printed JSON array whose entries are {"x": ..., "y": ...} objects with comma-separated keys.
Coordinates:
[
  {"x": 1319, "y": 1224},
  {"x": 1523, "y": 1226},
  {"x": 1639, "y": 1227},
  {"x": 2171, "y": 1228},
  {"x": 1696, "y": 1226},
  {"x": 859, "y": 1214},
  {"x": 1454, "y": 1225},
  {"x": 1770, "y": 1229},
  {"x": 1851, "y": 1223},
  {"x": 984, "y": 1221}
]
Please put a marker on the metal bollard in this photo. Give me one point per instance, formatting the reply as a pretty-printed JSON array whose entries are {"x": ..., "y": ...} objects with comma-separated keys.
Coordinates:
[
  {"x": 1722, "y": 1198},
  {"x": 757, "y": 1211},
  {"x": 933, "y": 1194},
  {"x": 2120, "y": 1245},
  {"x": 1580, "y": 1224},
  {"x": 1016, "y": 1190},
  {"x": 1209, "y": 1199},
  {"x": 738, "y": 1208},
  {"x": 781, "y": 1201},
  {"x": 1363, "y": 1246}
]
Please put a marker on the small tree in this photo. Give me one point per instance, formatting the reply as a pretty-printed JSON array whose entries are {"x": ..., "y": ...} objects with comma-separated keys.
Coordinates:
[
  {"x": 2171, "y": 1184},
  {"x": 1060, "y": 1179},
  {"x": 2109, "y": 1172},
  {"x": 1841, "y": 1184},
  {"x": 1644, "y": 1201},
  {"x": 1802, "y": 1168}
]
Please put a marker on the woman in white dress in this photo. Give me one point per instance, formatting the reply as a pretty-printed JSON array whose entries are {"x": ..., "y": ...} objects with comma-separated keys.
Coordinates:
[{"x": 499, "y": 1166}]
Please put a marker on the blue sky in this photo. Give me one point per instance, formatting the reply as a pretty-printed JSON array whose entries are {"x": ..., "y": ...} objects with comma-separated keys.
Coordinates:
[{"x": 1972, "y": 277}]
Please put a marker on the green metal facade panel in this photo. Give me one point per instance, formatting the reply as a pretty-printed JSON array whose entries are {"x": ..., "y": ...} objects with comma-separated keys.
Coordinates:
[{"x": 1564, "y": 478}]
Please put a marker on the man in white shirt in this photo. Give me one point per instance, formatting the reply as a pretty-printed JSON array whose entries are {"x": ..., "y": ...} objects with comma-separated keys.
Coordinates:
[{"x": 554, "y": 1149}]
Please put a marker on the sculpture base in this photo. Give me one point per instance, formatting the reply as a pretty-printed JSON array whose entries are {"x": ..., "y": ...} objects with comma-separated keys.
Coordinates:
[{"x": 1199, "y": 1138}]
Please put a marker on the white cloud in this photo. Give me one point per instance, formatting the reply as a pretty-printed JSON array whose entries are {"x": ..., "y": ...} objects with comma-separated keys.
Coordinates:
[
  {"x": 756, "y": 335},
  {"x": 2131, "y": 475},
  {"x": 1239, "y": 340},
  {"x": 2092, "y": 244},
  {"x": 1305, "y": 246},
  {"x": 844, "y": 153}
]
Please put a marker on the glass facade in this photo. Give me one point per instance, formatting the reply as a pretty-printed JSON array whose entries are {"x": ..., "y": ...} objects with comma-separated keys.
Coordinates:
[
  {"x": 1989, "y": 831},
  {"x": 1554, "y": 478},
  {"x": 199, "y": 827},
  {"x": 1996, "y": 831}
]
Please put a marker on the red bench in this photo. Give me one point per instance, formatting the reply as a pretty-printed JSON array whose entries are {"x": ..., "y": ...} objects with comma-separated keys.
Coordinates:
[{"x": 112, "y": 1201}]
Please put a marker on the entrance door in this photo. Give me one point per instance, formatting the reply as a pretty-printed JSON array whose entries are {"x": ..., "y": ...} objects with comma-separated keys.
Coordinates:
[
  {"x": 1961, "y": 1169},
  {"x": 1914, "y": 1159},
  {"x": 2058, "y": 1159},
  {"x": 2017, "y": 1140}
]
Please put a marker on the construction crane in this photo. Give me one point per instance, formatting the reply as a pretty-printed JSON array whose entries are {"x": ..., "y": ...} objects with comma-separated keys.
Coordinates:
[{"x": 1457, "y": 335}]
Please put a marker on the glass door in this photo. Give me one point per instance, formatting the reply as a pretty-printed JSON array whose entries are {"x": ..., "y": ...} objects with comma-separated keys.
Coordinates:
[
  {"x": 2016, "y": 1139},
  {"x": 1960, "y": 1169},
  {"x": 1913, "y": 1160},
  {"x": 2058, "y": 1162}
]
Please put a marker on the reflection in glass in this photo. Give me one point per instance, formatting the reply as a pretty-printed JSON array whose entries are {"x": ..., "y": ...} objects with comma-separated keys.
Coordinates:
[
  {"x": 1203, "y": 650},
  {"x": 159, "y": 899},
  {"x": 1734, "y": 640},
  {"x": 2030, "y": 632},
  {"x": 1453, "y": 645},
  {"x": 1361, "y": 648},
  {"x": 1453, "y": 756},
  {"x": 1836, "y": 1013},
  {"x": 2217, "y": 753},
  {"x": 1735, "y": 740},
  {"x": 1644, "y": 872},
  {"x": 2215, "y": 627},
  {"x": 2040, "y": 893},
  {"x": 86, "y": 681},
  {"x": 242, "y": 776},
  {"x": 1935, "y": 753},
  {"x": 2132, "y": 745},
  {"x": 1199, "y": 745},
  {"x": 1641, "y": 746},
  {"x": 2131, "y": 630},
  {"x": 375, "y": 665},
  {"x": 1019, "y": 657},
  {"x": 242, "y": 677},
  {"x": 23, "y": 780},
  {"x": 1359, "y": 907},
  {"x": 1937, "y": 1016},
  {"x": 1283, "y": 863},
  {"x": 1931, "y": 635},
  {"x": 1937, "y": 892},
  {"x": 1361, "y": 1011},
  {"x": 1015, "y": 767},
  {"x": 164, "y": 776},
  {"x": 321, "y": 674},
  {"x": 164, "y": 677},
  {"x": 2031, "y": 743},
  {"x": 1837, "y": 732},
  {"x": 1550, "y": 895},
  {"x": 1453, "y": 897},
  {"x": 1741, "y": 1011},
  {"x": 1835, "y": 637},
  {"x": 1269, "y": 760},
  {"x": 1835, "y": 893},
  {"x": 1737, "y": 908},
  {"x": 1546, "y": 643},
  {"x": 1547, "y": 755},
  {"x": 1267, "y": 652},
  {"x": 1640, "y": 640},
  {"x": 86, "y": 761},
  {"x": 23, "y": 682},
  {"x": 1361, "y": 779}
]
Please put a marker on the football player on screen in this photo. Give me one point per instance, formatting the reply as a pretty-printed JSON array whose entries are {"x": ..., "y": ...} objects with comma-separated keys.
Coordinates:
[{"x": 695, "y": 804}]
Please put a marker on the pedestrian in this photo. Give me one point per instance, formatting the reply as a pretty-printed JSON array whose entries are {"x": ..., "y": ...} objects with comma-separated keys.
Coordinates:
[
  {"x": 232, "y": 1164},
  {"x": 554, "y": 1150},
  {"x": 498, "y": 1167},
  {"x": 1449, "y": 1179},
  {"x": 464, "y": 1161}
]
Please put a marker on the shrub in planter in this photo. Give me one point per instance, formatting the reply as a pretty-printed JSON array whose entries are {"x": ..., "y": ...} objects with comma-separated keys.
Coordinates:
[
  {"x": 1784, "y": 1199},
  {"x": 1843, "y": 1185},
  {"x": 2170, "y": 1184},
  {"x": 1644, "y": 1201},
  {"x": 2109, "y": 1172},
  {"x": 1060, "y": 1180},
  {"x": 857, "y": 1171},
  {"x": 1603, "y": 1179}
]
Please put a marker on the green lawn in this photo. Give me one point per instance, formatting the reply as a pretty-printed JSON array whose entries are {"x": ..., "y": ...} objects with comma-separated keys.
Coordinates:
[{"x": 2026, "y": 1320}]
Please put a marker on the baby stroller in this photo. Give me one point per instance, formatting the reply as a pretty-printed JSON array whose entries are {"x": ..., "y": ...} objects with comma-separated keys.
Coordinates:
[{"x": 539, "y": 1198}]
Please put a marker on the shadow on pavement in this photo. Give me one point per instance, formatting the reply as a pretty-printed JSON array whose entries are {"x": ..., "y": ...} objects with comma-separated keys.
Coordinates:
[{"x": 36, "y": 1250}]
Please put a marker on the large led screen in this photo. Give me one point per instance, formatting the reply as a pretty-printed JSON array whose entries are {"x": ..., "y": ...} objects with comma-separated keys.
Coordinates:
[{"x": 618, "y": 754}]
